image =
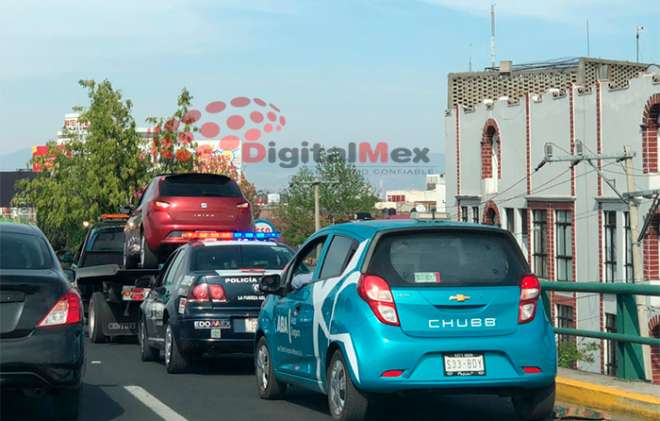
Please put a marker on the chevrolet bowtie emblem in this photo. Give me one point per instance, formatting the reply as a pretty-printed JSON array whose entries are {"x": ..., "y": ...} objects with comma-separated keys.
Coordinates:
[{"x": 459, "y": 297}]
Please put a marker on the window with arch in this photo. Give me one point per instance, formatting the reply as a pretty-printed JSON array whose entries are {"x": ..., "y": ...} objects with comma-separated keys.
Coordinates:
[
  {"x": 491, "y": 155},
  {"x": 650, "y": 125}
]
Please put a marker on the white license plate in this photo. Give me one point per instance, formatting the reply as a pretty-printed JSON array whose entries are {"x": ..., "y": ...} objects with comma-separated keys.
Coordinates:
[
  {"x": 216, "y": 333},
  {"x": 245, "y": 325},
  {"x": 464, "y": 364}
]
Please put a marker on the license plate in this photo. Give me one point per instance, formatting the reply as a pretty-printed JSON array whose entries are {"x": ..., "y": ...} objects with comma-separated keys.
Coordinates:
[
  {"x": 464, "y": 364},
  {"x": 212, "y": 324},
  {"x": 129, "y": 293},
  {"x": 216, "y": 333},
  {"x": 245, "y": 325}
]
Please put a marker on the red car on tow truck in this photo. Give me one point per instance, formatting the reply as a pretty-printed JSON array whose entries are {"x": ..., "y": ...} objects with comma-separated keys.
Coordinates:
[{"x": 175, "y": 209}]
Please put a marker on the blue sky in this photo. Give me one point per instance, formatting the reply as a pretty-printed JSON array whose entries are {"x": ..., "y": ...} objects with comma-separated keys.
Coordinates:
[{"x": 340, "y": 70}]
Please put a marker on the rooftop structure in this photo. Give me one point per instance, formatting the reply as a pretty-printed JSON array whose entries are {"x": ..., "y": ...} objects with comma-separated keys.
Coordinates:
[{"x": 515, "y": 80}]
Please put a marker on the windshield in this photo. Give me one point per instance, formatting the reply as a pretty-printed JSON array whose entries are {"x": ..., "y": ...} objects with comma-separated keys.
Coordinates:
[
  {"x": 199, "y": 186},
  {"x": 447, "y": 258},
  {"x": 23, "y": 251},
  {"x": 240, "y": 257},
  {"x": 106, "y": 240}
]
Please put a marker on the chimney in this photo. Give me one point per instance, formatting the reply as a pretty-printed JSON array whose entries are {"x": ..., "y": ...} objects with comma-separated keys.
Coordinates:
[{"x": 505, "y": 67}]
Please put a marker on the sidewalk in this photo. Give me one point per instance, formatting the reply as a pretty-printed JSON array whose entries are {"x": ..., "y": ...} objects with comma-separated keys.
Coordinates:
[{"x": 606, "y": 393}]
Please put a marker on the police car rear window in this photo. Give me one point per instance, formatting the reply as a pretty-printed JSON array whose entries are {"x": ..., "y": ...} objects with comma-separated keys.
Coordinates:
[
  {"x": 448, "y": 258},
  {"x": 240, "y": 257},
  {"x": 205, "y": 185}
]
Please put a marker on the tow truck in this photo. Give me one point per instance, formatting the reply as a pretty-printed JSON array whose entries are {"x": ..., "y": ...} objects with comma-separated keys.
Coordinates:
[{"x": 111, "y": 294}]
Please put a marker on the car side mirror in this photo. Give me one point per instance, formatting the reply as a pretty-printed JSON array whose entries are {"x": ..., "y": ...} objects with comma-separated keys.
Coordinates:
[
  {"x": 65, "y": 257},
  {"x": 70, "y": 275},
  {"x": 270, "y": 284}
]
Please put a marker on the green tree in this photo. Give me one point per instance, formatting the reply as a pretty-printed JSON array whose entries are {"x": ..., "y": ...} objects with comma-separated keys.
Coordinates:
[
  {"x": 83, "y": 178},
  {"x": 569, "y": 352},
  {"x": 343, "y": 192}
]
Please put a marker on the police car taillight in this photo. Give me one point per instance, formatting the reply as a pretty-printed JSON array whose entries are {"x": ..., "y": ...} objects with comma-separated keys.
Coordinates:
[
  {"x": 207, "y": 292},
  {"x": 377, "y": 293},
  {"x": 530, "y": 290}
]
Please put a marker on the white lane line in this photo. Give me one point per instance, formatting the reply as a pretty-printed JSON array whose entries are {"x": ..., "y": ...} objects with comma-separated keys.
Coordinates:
[{"x": 162, "y": 410}]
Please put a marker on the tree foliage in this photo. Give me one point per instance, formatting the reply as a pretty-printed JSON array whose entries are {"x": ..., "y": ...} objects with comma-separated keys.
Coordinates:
[
  {"x": 569, "y": 352},
  {"x": 83, "y": 178},
  {"x": 172, "y": 138},
  {"x": 343, "y": 192}
]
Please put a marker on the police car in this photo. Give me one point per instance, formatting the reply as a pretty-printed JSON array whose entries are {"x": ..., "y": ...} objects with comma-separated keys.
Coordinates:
[
  {"x": 391, "y": 306},
  {"x": 206, "y": 299}
]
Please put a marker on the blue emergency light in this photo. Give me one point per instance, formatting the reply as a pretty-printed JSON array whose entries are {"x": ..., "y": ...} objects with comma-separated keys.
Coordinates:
[{"x": 249, "y": 235}]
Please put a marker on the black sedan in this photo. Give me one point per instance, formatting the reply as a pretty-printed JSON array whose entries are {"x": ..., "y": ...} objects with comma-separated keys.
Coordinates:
[
  {"x": 41, "y": 321},
  {"x": 206, "y": 301}
]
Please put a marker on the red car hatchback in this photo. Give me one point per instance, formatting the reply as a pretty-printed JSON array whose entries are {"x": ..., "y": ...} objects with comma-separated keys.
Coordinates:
[{"x": 175, "y": 209}]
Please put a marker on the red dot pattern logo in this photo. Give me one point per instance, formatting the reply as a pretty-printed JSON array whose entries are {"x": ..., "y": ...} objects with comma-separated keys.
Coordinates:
[{"x": 239, "y": 119}]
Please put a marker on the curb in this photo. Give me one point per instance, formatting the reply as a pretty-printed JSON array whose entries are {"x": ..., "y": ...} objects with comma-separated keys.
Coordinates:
[{"x": 607, "y": 398}]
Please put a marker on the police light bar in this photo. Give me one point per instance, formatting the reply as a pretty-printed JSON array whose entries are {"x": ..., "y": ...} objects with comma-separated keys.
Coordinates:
[
  {"x": 107, "y": 216},
  {"x": 224, "y": 235}
]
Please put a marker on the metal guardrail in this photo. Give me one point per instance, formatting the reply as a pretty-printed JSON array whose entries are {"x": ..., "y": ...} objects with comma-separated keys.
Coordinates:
[{"x": 627, "y": 338}]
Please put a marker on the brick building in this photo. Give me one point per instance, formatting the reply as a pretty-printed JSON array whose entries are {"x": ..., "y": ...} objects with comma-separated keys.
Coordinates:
[{"x": 571, "y": 225}]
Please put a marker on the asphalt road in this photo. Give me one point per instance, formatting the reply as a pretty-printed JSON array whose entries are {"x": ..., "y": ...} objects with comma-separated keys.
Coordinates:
[{"x": 118, "y": 386}]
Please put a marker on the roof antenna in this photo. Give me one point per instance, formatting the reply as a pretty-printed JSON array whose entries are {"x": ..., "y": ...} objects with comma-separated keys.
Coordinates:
[
  {"x": 588, "y": 46},
  {"x": 470, "y": 58},
  {"x": 492, "y": 35}
]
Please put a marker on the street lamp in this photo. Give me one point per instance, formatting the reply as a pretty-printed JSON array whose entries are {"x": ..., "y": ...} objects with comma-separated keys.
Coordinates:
[{"x": 638, "y": 30}]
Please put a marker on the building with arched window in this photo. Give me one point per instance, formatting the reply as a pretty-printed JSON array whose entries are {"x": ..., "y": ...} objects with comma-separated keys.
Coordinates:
[{"x": 570, "y": 223}]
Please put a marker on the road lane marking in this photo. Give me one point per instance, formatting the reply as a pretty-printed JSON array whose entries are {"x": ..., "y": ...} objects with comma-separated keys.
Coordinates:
[
  {"x": 96, "y": 362},
  {"x": 151, "y": 402}
]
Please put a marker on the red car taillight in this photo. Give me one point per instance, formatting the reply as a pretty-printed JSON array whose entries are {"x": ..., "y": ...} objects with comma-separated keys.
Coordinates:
[
  {"x": 243, "y": 205},
  {"x": 66, "y": 311},
  {"x": 160, "y": 205},
  {"x": 530, "y": 290},
  {"x": 377, "y": 293},
  {"x": 205, "y": 292}
]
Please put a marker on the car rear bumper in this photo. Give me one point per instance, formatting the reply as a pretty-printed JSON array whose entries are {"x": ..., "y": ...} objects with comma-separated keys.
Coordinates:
[
  {"x": 157, "y": 231},
  {"x": 47, "y": 358},
  {"x": 198, "y": 339},
  {"x": 385, "y": 348}
]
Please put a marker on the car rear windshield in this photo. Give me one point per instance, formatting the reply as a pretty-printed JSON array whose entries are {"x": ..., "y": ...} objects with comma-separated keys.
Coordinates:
[
  {"x": 240, "y": 257},
  {"x": 448, "y": 258},
  {"x": 24, "y": 251},
  {"x": 199, "y": 186},
  {"x": 107, "y": 240}
]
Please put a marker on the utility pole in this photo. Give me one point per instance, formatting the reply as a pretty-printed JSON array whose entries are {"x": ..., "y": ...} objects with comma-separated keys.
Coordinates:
[
  {"x": 624, "y": 304},
  {"x": 633, "y": 212},
  {"x": 317, "y": 211},
  {"x": 316, "y": 183},
  {"x": 638, "y": 265}
]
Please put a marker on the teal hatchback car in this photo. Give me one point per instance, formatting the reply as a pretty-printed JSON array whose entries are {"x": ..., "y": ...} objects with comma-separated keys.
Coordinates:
[{"x": 380, "y": 307}]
